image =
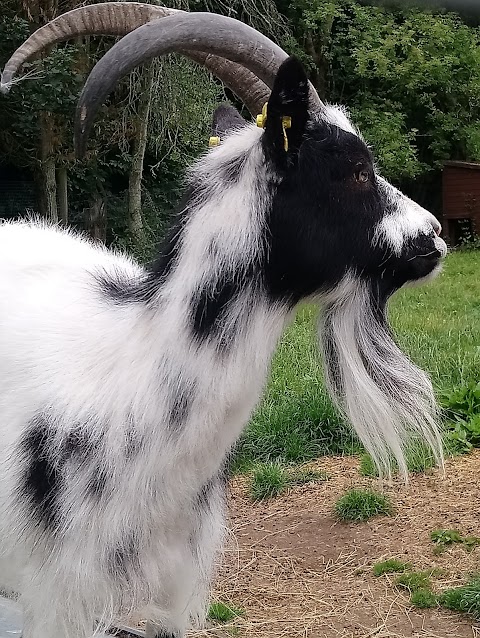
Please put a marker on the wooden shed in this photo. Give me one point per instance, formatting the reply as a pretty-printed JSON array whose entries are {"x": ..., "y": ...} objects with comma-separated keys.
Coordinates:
[{"x": 461, "y": 200}]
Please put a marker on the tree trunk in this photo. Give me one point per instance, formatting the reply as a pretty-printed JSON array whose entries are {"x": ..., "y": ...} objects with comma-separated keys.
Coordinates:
[
  {"x": 96, "y": 218},
  {"x": 318, "y": 48},
  {"x": 47, "y": 179},
  {"x": 135, "y": 220},
  {"x": 62, "y": 194}
]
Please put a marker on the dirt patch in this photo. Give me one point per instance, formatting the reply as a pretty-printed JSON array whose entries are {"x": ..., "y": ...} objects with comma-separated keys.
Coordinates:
[{"x": 297, "y": 572}]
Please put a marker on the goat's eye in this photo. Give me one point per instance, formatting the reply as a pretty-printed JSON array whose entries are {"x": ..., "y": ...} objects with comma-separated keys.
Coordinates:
[{"x": 362, "y": 175}]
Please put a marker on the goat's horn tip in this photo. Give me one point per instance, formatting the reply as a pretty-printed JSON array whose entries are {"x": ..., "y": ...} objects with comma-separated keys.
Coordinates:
[{"x": 5, "y": 87}]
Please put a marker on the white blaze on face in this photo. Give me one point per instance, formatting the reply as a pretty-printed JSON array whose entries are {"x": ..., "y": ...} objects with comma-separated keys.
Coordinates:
[{"x": 406, "y": 220}]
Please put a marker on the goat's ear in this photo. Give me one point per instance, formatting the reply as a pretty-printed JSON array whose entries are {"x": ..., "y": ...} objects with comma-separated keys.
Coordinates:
[
  {"x": 225, "y": 120},
  {"x": 287, "y": 111}
]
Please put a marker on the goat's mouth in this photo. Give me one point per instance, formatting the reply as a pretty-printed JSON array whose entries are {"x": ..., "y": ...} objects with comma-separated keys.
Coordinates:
[
  {"x": 418, "y": 265},
  {"x": 423, "y": 266}
]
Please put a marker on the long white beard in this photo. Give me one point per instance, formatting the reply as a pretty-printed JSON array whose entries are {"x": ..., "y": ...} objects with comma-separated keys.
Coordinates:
[{"x": 386, "y": 398}]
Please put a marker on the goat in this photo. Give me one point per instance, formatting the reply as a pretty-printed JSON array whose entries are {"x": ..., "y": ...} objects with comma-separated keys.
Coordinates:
[{"x": 123, "y": 388}]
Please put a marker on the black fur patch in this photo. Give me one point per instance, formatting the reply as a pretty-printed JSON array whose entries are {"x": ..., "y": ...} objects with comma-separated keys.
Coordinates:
[
  {"x": 210, "y": 306},
  {"x": 181, "y": 402},
  {"x": 217, "y": 482},
  {"x": 120, "y": 289},
  {"x": 41, "y": 476},
  {"x": 124, "y": 558}
]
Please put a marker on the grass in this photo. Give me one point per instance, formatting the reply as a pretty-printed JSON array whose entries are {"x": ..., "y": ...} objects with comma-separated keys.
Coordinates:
[
  {"x": 271, "y": 479},
  {"x": 361, "y": 505},
  {"x": 464, "y": 599},
  {"x": 438, "y": 325},
  {"x": 423, "y": 599},
  {"x": 222, "y": 613},
  {"x": 415, "y": 581},
  {"x": 419, "y": 460},
  {"x": 268, "y": 480},
  {"x": 390, "y": 566}
]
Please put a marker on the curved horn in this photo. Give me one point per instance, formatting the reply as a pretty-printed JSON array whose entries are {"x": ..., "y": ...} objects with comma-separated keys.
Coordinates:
[
  {"x": 219, "y": 35},
  {"x": 120, "y": 18}
]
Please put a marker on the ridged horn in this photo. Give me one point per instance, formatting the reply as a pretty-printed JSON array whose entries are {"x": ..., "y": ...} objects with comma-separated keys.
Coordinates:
[
  {"x": 120, "y": 18},
  {"x": 219, "y": 35}
]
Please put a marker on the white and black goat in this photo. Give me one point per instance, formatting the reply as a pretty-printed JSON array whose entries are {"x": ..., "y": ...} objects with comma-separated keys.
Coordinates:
[{"x": 123, "y": 389}]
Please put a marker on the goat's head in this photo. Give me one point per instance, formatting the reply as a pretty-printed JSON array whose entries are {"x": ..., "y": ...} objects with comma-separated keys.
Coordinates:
[{"x": 334, "y": 229}]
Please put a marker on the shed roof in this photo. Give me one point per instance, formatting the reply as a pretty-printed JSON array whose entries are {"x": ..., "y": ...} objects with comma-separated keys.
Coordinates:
[{"x": 459, "y": 164}]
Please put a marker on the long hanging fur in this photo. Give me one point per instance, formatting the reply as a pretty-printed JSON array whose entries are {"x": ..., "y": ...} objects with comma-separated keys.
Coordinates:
[{"x": 388, "y": 400}]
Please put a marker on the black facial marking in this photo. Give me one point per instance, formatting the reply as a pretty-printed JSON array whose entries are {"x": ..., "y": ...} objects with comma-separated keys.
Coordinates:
[
  {"x": 41, "y": 477},
  {"x": 321, "y": 220}
]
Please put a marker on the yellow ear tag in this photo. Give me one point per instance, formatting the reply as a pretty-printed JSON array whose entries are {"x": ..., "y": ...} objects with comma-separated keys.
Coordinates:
[
  {"x": 286, "y": 123},
  {"x": 213, "y": 141},
  {"x": 262, "y": 118}
]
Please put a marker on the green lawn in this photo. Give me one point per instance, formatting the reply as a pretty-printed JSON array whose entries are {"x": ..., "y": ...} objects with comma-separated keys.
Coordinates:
[{"x": 438, "y": 325}]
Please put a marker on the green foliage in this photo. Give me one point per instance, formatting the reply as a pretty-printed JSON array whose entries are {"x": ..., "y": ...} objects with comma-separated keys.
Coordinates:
[
  {"x": 445, "y": 537},
  {"x": 463, "y": 402},
  {"x": 462, "y": 411},
  {"x": 367, "y": 466},
  {"x": 410, "y": 77},
  {"x": 268, "y": 480},
  {"x": 271, "y": 479},
  {"x": 361, "y": 505},
  {"x": 415, "y": 581},
  {"x": 423, "y": 599},
  {"x": 390, "y": 566},
  {"x": 222, "y": 613},
  {"x": 463, "y": 599}
]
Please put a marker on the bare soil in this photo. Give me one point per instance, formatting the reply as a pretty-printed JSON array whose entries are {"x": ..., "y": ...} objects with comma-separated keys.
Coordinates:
[{"x": 298, "y": 572}]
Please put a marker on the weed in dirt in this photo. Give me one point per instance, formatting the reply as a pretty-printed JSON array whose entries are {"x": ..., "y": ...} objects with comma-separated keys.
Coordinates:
[
  {"x": 305, "y": 476},
  {"x": 268, "y": 480},
  {"x": 390, "y": 566},
  {"x": 464, "y": 599},
  {"x": 271, "y": 479},
  {"x": 222, "y": 613},
  {"x": 415, "y": 581},
  {"x": 360, "y": 505},
  {"x": 423, "y": 599},
  {"x": 445, "y": 537}
]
